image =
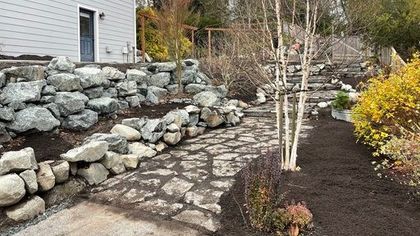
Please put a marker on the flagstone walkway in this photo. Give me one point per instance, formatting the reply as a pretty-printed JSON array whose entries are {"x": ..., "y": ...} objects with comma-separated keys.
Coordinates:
[{"x": 183, "y": 185}]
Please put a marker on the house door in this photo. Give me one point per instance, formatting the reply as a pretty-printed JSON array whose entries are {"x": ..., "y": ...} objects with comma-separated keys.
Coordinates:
[{"x": 87, "y": 35}]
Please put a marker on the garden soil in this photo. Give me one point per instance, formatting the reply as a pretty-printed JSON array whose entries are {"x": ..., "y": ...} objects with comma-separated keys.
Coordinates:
[{"x": 341, "y": 188}]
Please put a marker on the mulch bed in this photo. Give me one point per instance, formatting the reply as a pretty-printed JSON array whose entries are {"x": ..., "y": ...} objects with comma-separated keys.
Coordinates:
[
  {"x": 340, "y": 187},
  {"x": 49, "y": 146}
]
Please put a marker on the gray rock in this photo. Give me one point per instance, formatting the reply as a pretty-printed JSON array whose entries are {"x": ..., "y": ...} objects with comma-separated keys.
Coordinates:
[
  {"x": 173, "y": 89},
  {"x": 103, "y": 105},
  {"x": 12, "y": 189},
  {"x": 221, "y": 91},
  {"x": 127, "y": 88},
  {"x": 116, "y": 142},
  {"x": 155, "y": 94},
  {"x": 33, "y": 118},
  {"x": 53, "y": 108},
  {"x": 113, "y": 162},
  {"x": 92, "y": 93},
  {"x": 194, "y": 119},
  {"x": 96, "y": 173},
  {"x": 133, "y": 101},
  {"x": 89, "y": 152},
  {"x": 61, "y": 65},
  {"x": 111, "y": 93},
  {"x": 127, "y": 132},
  {"x": 123, "y": 105},
  {"x": 172, "y": 138},
  {"x": 44, "y": 99},
  {"x": 28, "y": 73},
  {"x": 81, "y": 121},
  {"x": 130, "y": 161},
  {"x": 26, "y": 210},
  {"x": 181, "y": 117},
  {"x": 7, "y": 114},
  {"x": 177, "y": 187},
  {"x": 112, "y": 73},
  {"x": 4, "y": 135},
  {"x": 61, "y": 170},
  {"x": 153, "y": 130},
  {"x": 164, "y": 66},
  {"x": 173, "y": 128},
  {"x": 138, "y": 76},
  {"x": 213, "y": 119},
  {"x": 194, "y": 88},
  {"x": 48, "y": 90},
  {"x": 204, "y": 78},
  {"x": 65, "y": 82},
  {"x": 261, "y": 98},
  {"x": 45, "y": 177},
  {"x": 199, "y": 218},
  {"x": 160, "y": 80},
  {"x": 207, "y": 99},
  {"x": 31, "y": 183},
  {"x": 191, "y": 131},
  {"x": 23, "y": 91},
  {"x": 17, "y": 106},
  {"x": 2, "y": 79},
  {"x": 232, "y": 119},
  {"x": 90, "y": 77},
  {"x": 70, "y": 103},
  {"x": 135, "y": 123},
  {"x": 141, "y": 150},
  {"x": 189, "y": 77},
  {"x": 18, "y": 161}
]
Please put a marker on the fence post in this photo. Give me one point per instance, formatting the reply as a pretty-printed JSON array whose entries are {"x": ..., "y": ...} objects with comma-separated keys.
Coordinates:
[
  {"x": 143, "y": 39},
  {"x": 209, "y": 36},
  {"x": 193, "y": 42}
]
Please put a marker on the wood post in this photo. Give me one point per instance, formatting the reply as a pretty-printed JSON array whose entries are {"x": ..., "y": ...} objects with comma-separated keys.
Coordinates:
[
  {"x": 193, "y": 42},
  {"x": 209, "y": 43},
  {"x": 143, "y": 39}
]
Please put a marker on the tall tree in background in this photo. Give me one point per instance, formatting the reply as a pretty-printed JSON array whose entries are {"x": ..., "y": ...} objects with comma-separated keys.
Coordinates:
[{"x": 171, "y": 17}]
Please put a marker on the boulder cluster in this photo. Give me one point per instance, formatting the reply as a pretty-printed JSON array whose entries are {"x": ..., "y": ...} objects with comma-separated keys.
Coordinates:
[
  {"x": 102, "y": 155},
  {"x": 43, "y": 98}
]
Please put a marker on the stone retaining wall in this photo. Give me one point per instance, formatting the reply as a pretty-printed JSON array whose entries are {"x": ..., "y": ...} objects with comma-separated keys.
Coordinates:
[
  {"x": 42, "y": 98},
  {"x": 103, "y": 154}
]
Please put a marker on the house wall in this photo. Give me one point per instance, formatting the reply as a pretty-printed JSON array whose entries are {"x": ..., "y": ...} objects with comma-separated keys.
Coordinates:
[{"x": 51, "y": 27}]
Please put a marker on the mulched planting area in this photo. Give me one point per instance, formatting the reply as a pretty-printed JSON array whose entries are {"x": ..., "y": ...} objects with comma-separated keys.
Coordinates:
[
  {"x": 49, "y": 146},
  {"x": 340, "y": 187}
]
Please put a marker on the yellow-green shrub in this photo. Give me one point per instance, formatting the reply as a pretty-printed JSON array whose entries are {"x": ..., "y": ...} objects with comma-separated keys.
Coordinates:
[
  {"x": 389, "y": 104},
  {"x": 156, "y": 46}
]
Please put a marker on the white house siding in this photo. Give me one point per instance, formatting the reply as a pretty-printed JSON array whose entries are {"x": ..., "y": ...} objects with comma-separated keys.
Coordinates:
[{"x": 51, "y": 27}]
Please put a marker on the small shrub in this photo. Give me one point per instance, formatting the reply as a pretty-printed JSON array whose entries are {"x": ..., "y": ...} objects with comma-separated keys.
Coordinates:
[
  {"x": 342, "y": 101},
  {"x": 262, "y": 183},
  {"x": 295, "y": 217},
  {"x": 389, "y": 104}
]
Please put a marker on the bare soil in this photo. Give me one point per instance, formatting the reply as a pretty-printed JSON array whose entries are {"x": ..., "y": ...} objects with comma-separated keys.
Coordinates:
[
  {"x": 340, "y": 187},
  {"x": 49, "y": 145}
]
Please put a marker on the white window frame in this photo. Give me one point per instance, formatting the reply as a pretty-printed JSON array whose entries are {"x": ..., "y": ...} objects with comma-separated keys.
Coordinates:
[{"x": 96, "y": 30}]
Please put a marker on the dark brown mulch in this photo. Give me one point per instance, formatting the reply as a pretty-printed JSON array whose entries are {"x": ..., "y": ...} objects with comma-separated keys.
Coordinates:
[
  {"x": 49, "y": 146},
  {"x": 340, "y": 187}
]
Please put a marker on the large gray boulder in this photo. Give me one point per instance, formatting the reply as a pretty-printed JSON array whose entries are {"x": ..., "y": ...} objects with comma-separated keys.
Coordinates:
[
  {"x": 12, "y": 189},
  {"x": 65, "y": 82},
  {"x": 127, "y": 88},
  {"x": 7, "y": 114},
  {"x": 127, "y": 132},
  {"x": 23, "y": 92},
  {"x": 96, "y": 173},
  {"x": 28, "y": 73},
  {"x": 113, "y": 162},
  {"x": 89, "y": 152},
  {"x": 60, "y": 65},
  {"x": 95, "y": 92},
  {"x": 207, "y": 99},
  {"x": 194, "y": 88},
  {"x": 33, "y": 118},
  {"x": 189, "y": 77},
  {"x": 138, "y": 76},
  {"x": 135, "y": 123},
  {"x": 141, "y": 150},
  {"x": 116, "y": 142},
  {"x": 81, "y": 121},
  {"x": 153, "y": 130},
  {"x": 160, "y": 79},
  {"x": 70, "y": 103},
  {"x": 90, "y": 77},
  {"x": 2, "y": 79},
  {"x": 45, "y": 177},
  {"x": 164, "y": 66},
  {"x": 61, "y": 170},
  {"x": 26, "y": 210},
  {"x": 31, "y": 183},
  {"x": 18, "y": 161},
  {"x": 103, "y": 105},
  {"x": 155, "y": 94},
  {"x": 112, "y": 73},
  {"x": 221, "y": 91}
]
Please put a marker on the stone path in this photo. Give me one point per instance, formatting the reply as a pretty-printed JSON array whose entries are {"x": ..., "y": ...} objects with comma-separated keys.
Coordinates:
[{"x": 185, "y": 184}]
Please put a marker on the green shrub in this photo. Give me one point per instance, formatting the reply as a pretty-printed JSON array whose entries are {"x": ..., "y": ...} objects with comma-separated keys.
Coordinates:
[{"x": 342, "y": 101}]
